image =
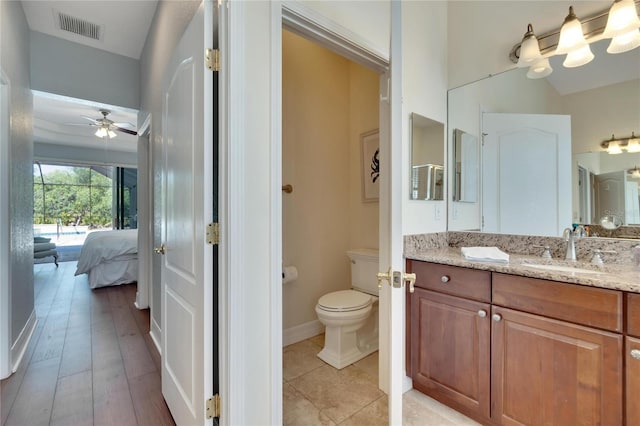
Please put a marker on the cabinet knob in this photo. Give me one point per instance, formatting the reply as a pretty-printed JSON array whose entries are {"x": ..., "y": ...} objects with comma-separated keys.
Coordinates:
[
  {"x": 635, "y": 353},
  {"x": 482, "y": 313},
  {"x": 445, "y": 278},
  {"x": 496, "y": 317}
]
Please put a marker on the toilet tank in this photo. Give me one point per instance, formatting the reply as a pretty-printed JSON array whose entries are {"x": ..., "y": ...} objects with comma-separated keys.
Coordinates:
[{"x": 364, "y": 267}]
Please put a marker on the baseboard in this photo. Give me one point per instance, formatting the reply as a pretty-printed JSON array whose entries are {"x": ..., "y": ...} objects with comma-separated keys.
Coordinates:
[
  {"x": 156, "y": 335},
  {"x": 20, "y": 346},
  {"x": 301, "y": 332}
]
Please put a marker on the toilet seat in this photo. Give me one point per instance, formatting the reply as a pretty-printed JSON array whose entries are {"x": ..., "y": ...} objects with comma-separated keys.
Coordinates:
[{"x": 344, "y": 301}]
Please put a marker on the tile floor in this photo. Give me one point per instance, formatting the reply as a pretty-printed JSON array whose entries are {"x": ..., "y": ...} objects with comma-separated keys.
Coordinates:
[{"x": 314, "y": 393}]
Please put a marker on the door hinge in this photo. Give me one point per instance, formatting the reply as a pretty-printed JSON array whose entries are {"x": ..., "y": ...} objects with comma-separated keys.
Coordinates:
[
  {"x": 213, "y": 407},
  {"x": 212, "y": 57},
  {"x": 213, "y": 233}
]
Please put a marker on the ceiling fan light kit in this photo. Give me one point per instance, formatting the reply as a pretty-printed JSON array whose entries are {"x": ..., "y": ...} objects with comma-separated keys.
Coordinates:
[
  {"x": 106, "y": 128},
  {"x": 622, "y": 27}
]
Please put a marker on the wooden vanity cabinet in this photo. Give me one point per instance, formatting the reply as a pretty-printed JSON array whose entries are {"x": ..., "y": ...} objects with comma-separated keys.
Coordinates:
[
  {"x": 556, "y": 353},
  {"x": 632, "y": 360},
  {"x": 550, "y": 372},
  {"x": 450, "y": 336},
  {"x": 533, "y": 352}
]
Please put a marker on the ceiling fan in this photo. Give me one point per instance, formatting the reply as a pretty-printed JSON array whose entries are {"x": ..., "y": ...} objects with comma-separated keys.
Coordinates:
[{"x": 106, "y": 128}]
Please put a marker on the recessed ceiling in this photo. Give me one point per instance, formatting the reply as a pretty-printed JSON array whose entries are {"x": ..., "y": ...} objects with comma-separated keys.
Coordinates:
[
  {"x": 55, "y": 118},
  {"x": 122, "y": 25}
]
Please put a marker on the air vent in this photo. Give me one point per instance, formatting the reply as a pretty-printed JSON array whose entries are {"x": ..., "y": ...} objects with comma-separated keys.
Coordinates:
[{"x": 78, "y": 26}]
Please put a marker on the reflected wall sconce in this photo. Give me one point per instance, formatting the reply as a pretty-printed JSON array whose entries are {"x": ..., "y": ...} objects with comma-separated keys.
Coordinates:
[
  {"x": 620, "y": 24},
  {"x": 617, "y": 145},
  {"x": 635, "y": 172}
]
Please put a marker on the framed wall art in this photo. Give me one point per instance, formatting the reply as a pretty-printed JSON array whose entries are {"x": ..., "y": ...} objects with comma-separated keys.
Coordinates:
[{"x": 370, "y": 148}]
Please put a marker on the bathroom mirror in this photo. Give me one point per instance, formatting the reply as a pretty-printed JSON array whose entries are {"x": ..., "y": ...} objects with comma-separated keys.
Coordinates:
[
  {"x": 465, "y": 167},
  {"x": 427, "y": 159},
  {"x": 608, "y": 189},
  {"x": 602, "y": 98}
]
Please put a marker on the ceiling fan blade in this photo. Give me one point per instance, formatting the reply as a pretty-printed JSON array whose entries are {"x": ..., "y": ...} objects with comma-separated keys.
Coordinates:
[
  {"x": 126, "y": 125},
  {"x": 90, "y": 119},
  {"x": 127, "y": 131},
  {"x": 80, "y": 124}
]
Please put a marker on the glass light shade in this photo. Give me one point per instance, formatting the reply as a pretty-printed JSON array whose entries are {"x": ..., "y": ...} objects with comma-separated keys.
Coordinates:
[
  {"x": 635, "y": 172},
  {"x": 111, "y": 134},
  {"x": 101, "y": 132},
  {"x": 633, "y": 145},
  {"x": 571, "y": 36},
  {"x": 579, "y": 57},
  {"x": 540, "y": 69},
  {"x": 614, "y": 148},
  {"x": 529, "y": 49},
  {"x": 623, "y": 18},
  {"x": 625, "y": 42}
]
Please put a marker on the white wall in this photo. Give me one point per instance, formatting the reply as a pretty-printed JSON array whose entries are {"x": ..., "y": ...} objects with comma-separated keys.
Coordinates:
[
  {"x": 14, "y": 60},
  {"x": 482, "y": 33},
  {"x": 424, "y": 91},
  {"x": 76, "y": 154},
  {"x": 169, "y": 22},
  {"x": 71, "y": 69},
  {"x": 369, "y": 20}
]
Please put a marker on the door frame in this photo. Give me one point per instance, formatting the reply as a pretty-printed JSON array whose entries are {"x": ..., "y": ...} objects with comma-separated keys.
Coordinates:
[
  {"x": 145, "y": 209},
  {"x": 235, "y": 77},
  {"x": 311, "y": 25},
  {"x": 5, "y": 230}
]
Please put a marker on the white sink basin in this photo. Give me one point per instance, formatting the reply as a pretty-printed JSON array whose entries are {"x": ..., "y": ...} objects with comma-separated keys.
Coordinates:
[{"x": 561, "y": 268}]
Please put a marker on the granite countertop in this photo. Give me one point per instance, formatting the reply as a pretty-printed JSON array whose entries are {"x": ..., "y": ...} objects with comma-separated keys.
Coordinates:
[{"x": 613, "y": 276}]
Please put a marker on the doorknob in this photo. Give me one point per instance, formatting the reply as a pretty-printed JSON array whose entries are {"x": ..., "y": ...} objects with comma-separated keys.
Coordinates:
[
  {"x": 396, "y": 279},
  {"x": 160, "y": 250}
]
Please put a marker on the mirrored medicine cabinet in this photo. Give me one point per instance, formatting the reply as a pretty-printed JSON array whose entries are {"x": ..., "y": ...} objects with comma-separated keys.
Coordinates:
[
  {"x": 427, "y": 159},
  {"x": 465, "y": 166}
]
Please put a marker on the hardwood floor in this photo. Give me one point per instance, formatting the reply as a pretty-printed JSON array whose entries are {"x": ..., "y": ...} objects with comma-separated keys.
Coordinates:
[{"x": 91, "y": 360}]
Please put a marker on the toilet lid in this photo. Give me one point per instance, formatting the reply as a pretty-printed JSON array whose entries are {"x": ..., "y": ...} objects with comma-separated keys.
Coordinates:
[{"x": 344, "y": 300}]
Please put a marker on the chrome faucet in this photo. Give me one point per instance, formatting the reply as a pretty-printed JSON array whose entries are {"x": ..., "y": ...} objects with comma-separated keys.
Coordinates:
[{"x": 569, "y": 236}]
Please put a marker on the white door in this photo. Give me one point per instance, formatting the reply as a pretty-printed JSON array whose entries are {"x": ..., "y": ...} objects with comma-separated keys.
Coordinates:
[
  {"x": 391, "y": 239},
  {"x": 631, "y": 203},
  {"x": 526, "y": 174},
  {"x": 186, "y": 265},
  {"x": 610, "y": 195}
]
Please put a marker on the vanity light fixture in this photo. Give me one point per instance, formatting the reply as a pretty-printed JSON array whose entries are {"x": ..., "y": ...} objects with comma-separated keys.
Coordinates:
[
  {"x": 529, "y": 49},
  {"x": 633, "y": 144},
  {"x": 620, "y": 23},
  {"x": 617, "y": 145},
  {"x": 635, "y": 172},
  {"x": 622, "y": 27},
  {"x": 572, "y": 42}
]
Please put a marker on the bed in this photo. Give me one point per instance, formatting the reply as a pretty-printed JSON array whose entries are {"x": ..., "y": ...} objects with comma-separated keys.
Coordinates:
[{"x": 109, "y": 258}]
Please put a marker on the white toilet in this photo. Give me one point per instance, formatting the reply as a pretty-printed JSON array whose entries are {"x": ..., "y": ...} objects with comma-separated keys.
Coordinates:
[{"x": 351, "y": 316}]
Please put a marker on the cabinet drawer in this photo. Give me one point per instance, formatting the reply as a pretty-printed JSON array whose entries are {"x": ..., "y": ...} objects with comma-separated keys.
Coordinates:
[
  {"x": 454, "y": 280},
  {"x": 633, "y": 314},
  {"x": 595, "y": 307}
]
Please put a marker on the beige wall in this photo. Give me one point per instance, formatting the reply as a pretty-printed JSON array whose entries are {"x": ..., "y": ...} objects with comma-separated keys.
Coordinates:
[{"x": 327, "y": 103}]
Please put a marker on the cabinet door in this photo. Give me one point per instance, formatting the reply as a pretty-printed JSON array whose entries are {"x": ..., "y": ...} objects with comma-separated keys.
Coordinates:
[
  {"x": 450, "y": 350},
  {"x": 549, "y": 372},
  {"x": 633, "y": 380}
]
